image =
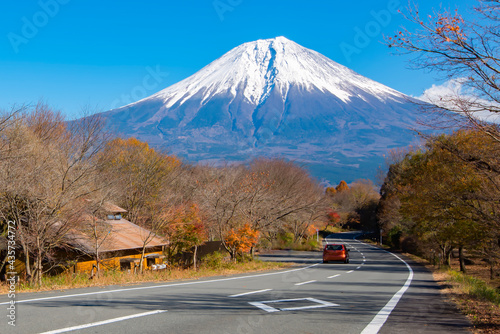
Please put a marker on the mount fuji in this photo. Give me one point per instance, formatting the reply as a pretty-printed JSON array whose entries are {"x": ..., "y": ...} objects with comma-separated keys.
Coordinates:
[{"x": 274, "y": 97}]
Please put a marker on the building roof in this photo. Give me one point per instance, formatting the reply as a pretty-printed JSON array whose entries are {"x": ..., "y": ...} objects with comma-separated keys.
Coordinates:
[
  {"x": 110, "y": 207},
  {"x": 116, "y": 235}
]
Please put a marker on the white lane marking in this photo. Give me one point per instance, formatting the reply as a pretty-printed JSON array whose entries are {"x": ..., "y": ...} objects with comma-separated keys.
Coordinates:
[
  {"x": 302, "y": 283},
  {"x": 320, "y": 302},
  {"x": 364, "y": 260},
  {"x": 104, "y": 322},
  {"x": 378, "y": 321},
  {"x": 249, "y": 293},
  {"x": 264, "y": 307},
  {"x": 267, "y": 308},
  {"x": 160, "y": 286},
  {"x": 358, "y": 267},
  {"x": 334, "y": 276},
  {"x": 350, "y": 271}
]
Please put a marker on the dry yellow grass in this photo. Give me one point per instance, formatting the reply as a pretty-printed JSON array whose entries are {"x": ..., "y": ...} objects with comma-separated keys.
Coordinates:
[{"x": 463, "y": 292}]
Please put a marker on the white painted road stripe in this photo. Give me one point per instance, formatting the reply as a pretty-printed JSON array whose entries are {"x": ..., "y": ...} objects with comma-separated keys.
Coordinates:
[
  {"x": 358, "y": 267},
  {"x": 105, "y": 322},
  {"x": 160, "y": 286},
  {"x": 302, "y": 283},
  {"x": 350, "y": 271},
  {"x": 249, "y": 293},
  {"x": 334, "y": 276},
  {"x": 378, "y": 321}
]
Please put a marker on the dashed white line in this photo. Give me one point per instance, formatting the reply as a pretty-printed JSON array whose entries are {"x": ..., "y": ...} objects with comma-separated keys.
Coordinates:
[
  {"x": 350, "y": 271},
  {"x": 104, "y": 322},
  {"x": 358, "y": 267},
  {"x": 334, "y": 276},
  {"x": 302, "y": 283},
  {"x": 249, "y": 293}
]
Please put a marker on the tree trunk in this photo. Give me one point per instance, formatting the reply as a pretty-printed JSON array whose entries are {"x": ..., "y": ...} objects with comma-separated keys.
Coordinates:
[
  {"x": 27, "y": 263},
  {"x": 141, "y": 265},
  {"x": 194, "y": 256},
  {"x": 38, "y": 263},
  {"x": 39, "y": 269},
  {"x": 446, "y": 254},
  {"x": 461, "y": 258}
]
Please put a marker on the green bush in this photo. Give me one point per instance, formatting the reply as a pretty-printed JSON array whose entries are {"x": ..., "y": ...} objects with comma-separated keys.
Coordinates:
[{"x": 215, "y": 260}]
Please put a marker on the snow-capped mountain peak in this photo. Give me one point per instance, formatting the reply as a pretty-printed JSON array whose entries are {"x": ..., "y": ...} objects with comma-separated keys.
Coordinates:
[
  {"x": 272, "y": 97},
  {"x": 256, "y": 68}
]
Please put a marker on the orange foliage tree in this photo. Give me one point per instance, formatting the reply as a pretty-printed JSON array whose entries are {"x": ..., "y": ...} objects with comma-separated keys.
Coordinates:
[
  {"x": 342, "y": 186},
  {"x": 238, "y": 241},
  {"x": 186, "y": 231}
]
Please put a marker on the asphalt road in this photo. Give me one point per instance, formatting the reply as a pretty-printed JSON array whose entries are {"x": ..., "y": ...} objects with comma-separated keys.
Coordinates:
[{"x": 376, "y": 291}]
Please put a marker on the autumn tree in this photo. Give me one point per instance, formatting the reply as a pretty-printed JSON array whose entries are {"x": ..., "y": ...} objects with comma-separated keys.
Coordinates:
[
  {"x": 186, "y": 231},
  {"x": 464, "y": 50},
  {"x": 141, "y": 176},
  {"x": 282, "y": 194},
  {"x": 443, "y": 201},
  {"x": 241, "y": 240},
  {"x": 356, "y": 205},
  {"x": 48, "y": 168},
  {"x": 342, "y": 186}
]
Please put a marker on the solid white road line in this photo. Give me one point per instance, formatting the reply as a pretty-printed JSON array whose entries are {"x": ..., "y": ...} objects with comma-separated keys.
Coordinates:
[
  {"x": 302, "y": 283},
  {"x": 160, "y": 286},
  {"x": 104, "y": 322},
  {"x": 378, "y": 321},
  {"x": 249, "y": 293}
]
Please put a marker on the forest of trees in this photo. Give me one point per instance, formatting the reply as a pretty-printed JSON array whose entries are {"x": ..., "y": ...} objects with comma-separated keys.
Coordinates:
[
  {"x": 54, "y": 174},
  {"x": 446, "y": 195}
]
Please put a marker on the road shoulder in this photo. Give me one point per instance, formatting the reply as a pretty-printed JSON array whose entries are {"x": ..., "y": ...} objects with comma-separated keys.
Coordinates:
[{"x": 424, "y": 309}]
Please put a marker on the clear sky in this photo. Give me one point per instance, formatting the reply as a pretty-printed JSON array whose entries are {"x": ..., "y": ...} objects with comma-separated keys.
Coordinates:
[{"x": 104, "y": 54}]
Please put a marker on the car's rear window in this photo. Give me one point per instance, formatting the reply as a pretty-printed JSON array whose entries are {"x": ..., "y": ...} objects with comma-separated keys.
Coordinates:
[{"x": 334, "y": 247}]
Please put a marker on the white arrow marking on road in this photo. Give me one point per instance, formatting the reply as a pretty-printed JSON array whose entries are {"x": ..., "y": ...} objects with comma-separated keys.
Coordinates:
[
  {"x": 249, "y": 293},
  {"x": 100, "y": 323}
]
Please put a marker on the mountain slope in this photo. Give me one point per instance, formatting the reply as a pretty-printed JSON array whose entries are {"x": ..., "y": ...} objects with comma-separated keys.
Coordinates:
[{"x": 275, "y": 97}]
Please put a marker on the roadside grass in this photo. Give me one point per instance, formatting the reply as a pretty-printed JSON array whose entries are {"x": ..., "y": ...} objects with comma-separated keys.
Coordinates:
[
  {"x": 475, "y": 297},
  {"x": 116, "y": 277},
  {"x": 474, "y": 287}
]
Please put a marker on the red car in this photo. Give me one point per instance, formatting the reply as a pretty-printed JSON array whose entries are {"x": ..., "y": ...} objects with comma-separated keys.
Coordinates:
[{"x": 335, "y": 252}]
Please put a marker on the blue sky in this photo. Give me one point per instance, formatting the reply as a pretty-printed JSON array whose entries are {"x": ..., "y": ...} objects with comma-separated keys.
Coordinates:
[{"x": 101, "y": 54}]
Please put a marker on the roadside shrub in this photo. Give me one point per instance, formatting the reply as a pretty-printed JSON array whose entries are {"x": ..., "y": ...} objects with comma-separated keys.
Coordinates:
[
  {"x": 215, "y": 260},
  {"x": 394, "y": 237}
]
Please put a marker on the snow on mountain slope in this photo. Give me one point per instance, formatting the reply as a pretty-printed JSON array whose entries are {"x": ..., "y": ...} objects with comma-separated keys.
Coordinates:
[{"x": 274, "y": 97}]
